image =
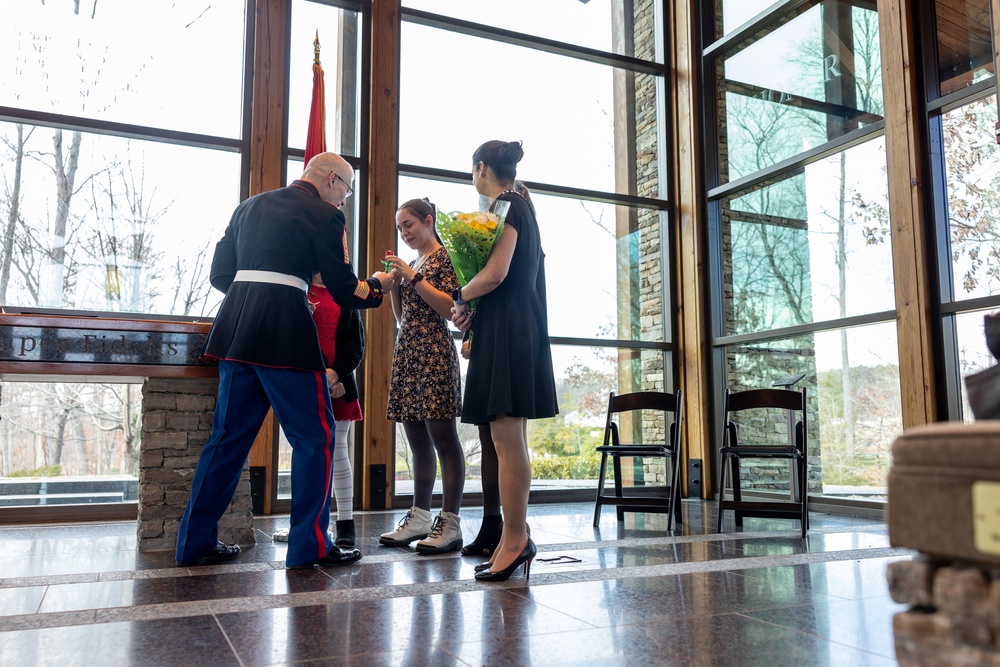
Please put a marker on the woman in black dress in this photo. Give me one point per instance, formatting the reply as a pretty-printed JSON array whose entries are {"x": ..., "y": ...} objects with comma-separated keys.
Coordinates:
[{"x": 510, "y": 377}]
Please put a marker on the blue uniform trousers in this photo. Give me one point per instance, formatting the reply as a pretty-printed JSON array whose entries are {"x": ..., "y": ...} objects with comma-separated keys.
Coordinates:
[{"x": 301, "y": 402}]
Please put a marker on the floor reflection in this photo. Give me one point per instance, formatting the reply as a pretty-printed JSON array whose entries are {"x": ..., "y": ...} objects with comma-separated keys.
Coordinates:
[{"x": 625, "y": 592}]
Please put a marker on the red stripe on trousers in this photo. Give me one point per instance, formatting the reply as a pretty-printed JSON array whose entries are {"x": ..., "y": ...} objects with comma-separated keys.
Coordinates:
[{"x": 320, "y": 386}]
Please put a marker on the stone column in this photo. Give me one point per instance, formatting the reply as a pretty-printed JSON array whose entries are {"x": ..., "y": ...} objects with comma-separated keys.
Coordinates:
[
  {"x": 954, "y": 614},
  {"x": 176, "y": 421}
]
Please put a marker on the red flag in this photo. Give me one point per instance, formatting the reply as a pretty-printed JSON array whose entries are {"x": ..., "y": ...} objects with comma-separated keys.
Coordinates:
[{"x": 316, "y": 135}]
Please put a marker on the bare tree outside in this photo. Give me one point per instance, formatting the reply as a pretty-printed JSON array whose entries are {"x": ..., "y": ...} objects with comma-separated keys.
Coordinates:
[{"x": 83, "y": 220}]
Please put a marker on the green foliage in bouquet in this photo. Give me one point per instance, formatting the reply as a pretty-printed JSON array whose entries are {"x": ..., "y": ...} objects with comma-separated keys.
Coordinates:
[{"x": 469, "y": 238}]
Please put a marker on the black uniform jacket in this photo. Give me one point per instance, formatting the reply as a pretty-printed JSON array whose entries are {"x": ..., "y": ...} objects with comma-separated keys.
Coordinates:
[{"x": 291, "y": 231}]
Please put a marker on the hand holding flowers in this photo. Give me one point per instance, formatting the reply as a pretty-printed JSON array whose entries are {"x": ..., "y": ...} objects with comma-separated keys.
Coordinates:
[
  {"x": 469, "y": 239},
  {"x": 399, "y": 268}
]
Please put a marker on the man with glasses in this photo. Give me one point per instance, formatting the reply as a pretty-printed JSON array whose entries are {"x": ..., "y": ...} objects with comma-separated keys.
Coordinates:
[
  {"x": 268, "y": 352},
  {"x": 350, "y": 190}
]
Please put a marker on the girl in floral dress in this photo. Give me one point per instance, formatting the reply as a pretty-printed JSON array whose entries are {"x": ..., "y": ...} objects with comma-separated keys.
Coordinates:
[{"x": 425, "y": 388}]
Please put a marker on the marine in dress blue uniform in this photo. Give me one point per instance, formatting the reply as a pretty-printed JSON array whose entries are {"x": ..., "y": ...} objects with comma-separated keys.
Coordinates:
[{"x": 265, "y": 342}]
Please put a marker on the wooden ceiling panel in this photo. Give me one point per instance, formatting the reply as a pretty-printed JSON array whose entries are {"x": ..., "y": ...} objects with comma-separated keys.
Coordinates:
[{"x": 963, "y": 33}]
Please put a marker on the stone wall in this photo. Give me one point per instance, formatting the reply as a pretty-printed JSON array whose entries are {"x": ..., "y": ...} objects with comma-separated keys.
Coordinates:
[
  {"x": 954, "y": 614},
  {"x": 176, "y": 422}
]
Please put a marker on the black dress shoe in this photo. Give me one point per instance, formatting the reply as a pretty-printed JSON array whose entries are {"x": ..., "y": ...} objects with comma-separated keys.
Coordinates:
[
  {"x": 220, "y": 554},
  {"x": 336, "y": 557}
]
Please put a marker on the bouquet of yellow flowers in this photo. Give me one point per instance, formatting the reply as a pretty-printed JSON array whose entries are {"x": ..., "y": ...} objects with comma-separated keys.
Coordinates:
[{"x": 469, "y": 239}]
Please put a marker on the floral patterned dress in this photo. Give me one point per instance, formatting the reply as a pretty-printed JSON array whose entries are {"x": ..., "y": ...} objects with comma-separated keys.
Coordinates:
[{"x": 426, "y": 378}]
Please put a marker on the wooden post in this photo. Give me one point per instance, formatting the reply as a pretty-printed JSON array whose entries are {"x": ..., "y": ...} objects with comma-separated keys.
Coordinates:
[
  {"x": 383, "y": 149},
  {"x": 691, "y": 347},
  {"x": 266, "y": 147},
  {"x": 904, "y": 150}
]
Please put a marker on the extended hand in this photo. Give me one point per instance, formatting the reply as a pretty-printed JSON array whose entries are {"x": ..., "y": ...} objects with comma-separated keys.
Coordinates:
[
  {"x": 400, "y": 268},
  {"x": 389, "y": 280}
]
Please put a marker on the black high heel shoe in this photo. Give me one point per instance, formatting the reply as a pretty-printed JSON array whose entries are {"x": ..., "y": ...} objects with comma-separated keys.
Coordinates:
[
  {"x": 487, "y": 539},
  {"x": 485, "y": 566},
  {"x": 528, "y": 555}
]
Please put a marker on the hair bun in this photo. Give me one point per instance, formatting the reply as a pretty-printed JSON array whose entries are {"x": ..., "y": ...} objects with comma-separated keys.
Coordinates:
[{"x": 512, "y": 151}]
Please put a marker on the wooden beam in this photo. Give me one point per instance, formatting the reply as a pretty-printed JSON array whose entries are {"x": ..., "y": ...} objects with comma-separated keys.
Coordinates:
[
  {"x": 383, "y": 165},
  {"x": 267, "y": 116},
  {"x": 911, "y": 266},
  {"x": 266, "y": 155},
  {"x": 692, "y": 345}
]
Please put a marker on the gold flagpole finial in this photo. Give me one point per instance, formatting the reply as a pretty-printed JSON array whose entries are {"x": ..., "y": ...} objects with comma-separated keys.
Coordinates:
[{"x": 316, "y": 48}]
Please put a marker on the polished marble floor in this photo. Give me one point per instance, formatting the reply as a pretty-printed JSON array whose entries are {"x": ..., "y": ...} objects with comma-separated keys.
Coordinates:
[{"x": 627, "y": 593}]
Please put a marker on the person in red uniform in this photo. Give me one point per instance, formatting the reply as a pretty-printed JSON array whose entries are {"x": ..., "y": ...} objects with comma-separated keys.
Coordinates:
[
  {"x": 342, "y": 339},
  {"x": 265, "y": 342}
]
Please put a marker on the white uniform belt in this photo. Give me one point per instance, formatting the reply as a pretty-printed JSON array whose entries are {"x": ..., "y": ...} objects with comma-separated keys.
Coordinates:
[{"x": 272, "y": 277}]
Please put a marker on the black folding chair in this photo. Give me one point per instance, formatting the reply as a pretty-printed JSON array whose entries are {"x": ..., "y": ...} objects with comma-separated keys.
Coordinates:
[
  {"x": 669, "y": 501},
  {"x": 795, "y": 450}
]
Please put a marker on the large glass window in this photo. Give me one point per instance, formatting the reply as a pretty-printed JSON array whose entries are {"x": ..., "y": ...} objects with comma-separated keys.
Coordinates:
[
  {"x": 338, "y": 31},
  {"x": 810, "y": 80},
  {"x": 973, "y": 355},
  {"x": 171, "y": 65},
  {"x": 616, "y": 26},
  {"x": 731, "y": 14},
  {"x": 112, "y": 224},
  {"x": 607, "y": 264},
  {"x": 852, "y": 379},
  {"x": 972, "y": 162},
  {"x": 971, "y": 279},
  {"x": 69, "y": 443},
  {"x": 810, "y": 246},
  {"x": 450, "y": 105},
  {"x": 805, "y": 244}
]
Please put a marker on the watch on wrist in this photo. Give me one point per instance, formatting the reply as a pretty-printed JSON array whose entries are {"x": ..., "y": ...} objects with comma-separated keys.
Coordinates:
[
  {"x": 417, "y": 277},
  {"x": 456, "y": 296}
]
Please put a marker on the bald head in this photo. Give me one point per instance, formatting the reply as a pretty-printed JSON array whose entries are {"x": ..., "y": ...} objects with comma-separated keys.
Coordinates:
[{"x": 332, "y": 176}]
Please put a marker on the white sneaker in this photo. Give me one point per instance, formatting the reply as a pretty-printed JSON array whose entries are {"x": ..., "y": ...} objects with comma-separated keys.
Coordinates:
[
  {"x": 445, "y": 535},
  {"x": 414, "y": 526}
]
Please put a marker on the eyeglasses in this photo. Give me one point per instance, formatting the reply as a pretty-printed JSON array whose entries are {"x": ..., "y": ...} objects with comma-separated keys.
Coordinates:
[{"x": 350, "y": 190}]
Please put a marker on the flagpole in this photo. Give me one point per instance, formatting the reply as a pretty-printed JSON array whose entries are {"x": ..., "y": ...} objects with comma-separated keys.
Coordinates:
[{"x": 316, "y": 132}]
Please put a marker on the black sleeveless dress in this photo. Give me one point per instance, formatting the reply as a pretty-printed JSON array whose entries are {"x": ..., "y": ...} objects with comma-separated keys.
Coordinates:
[{"x": 510, "y": 365}]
